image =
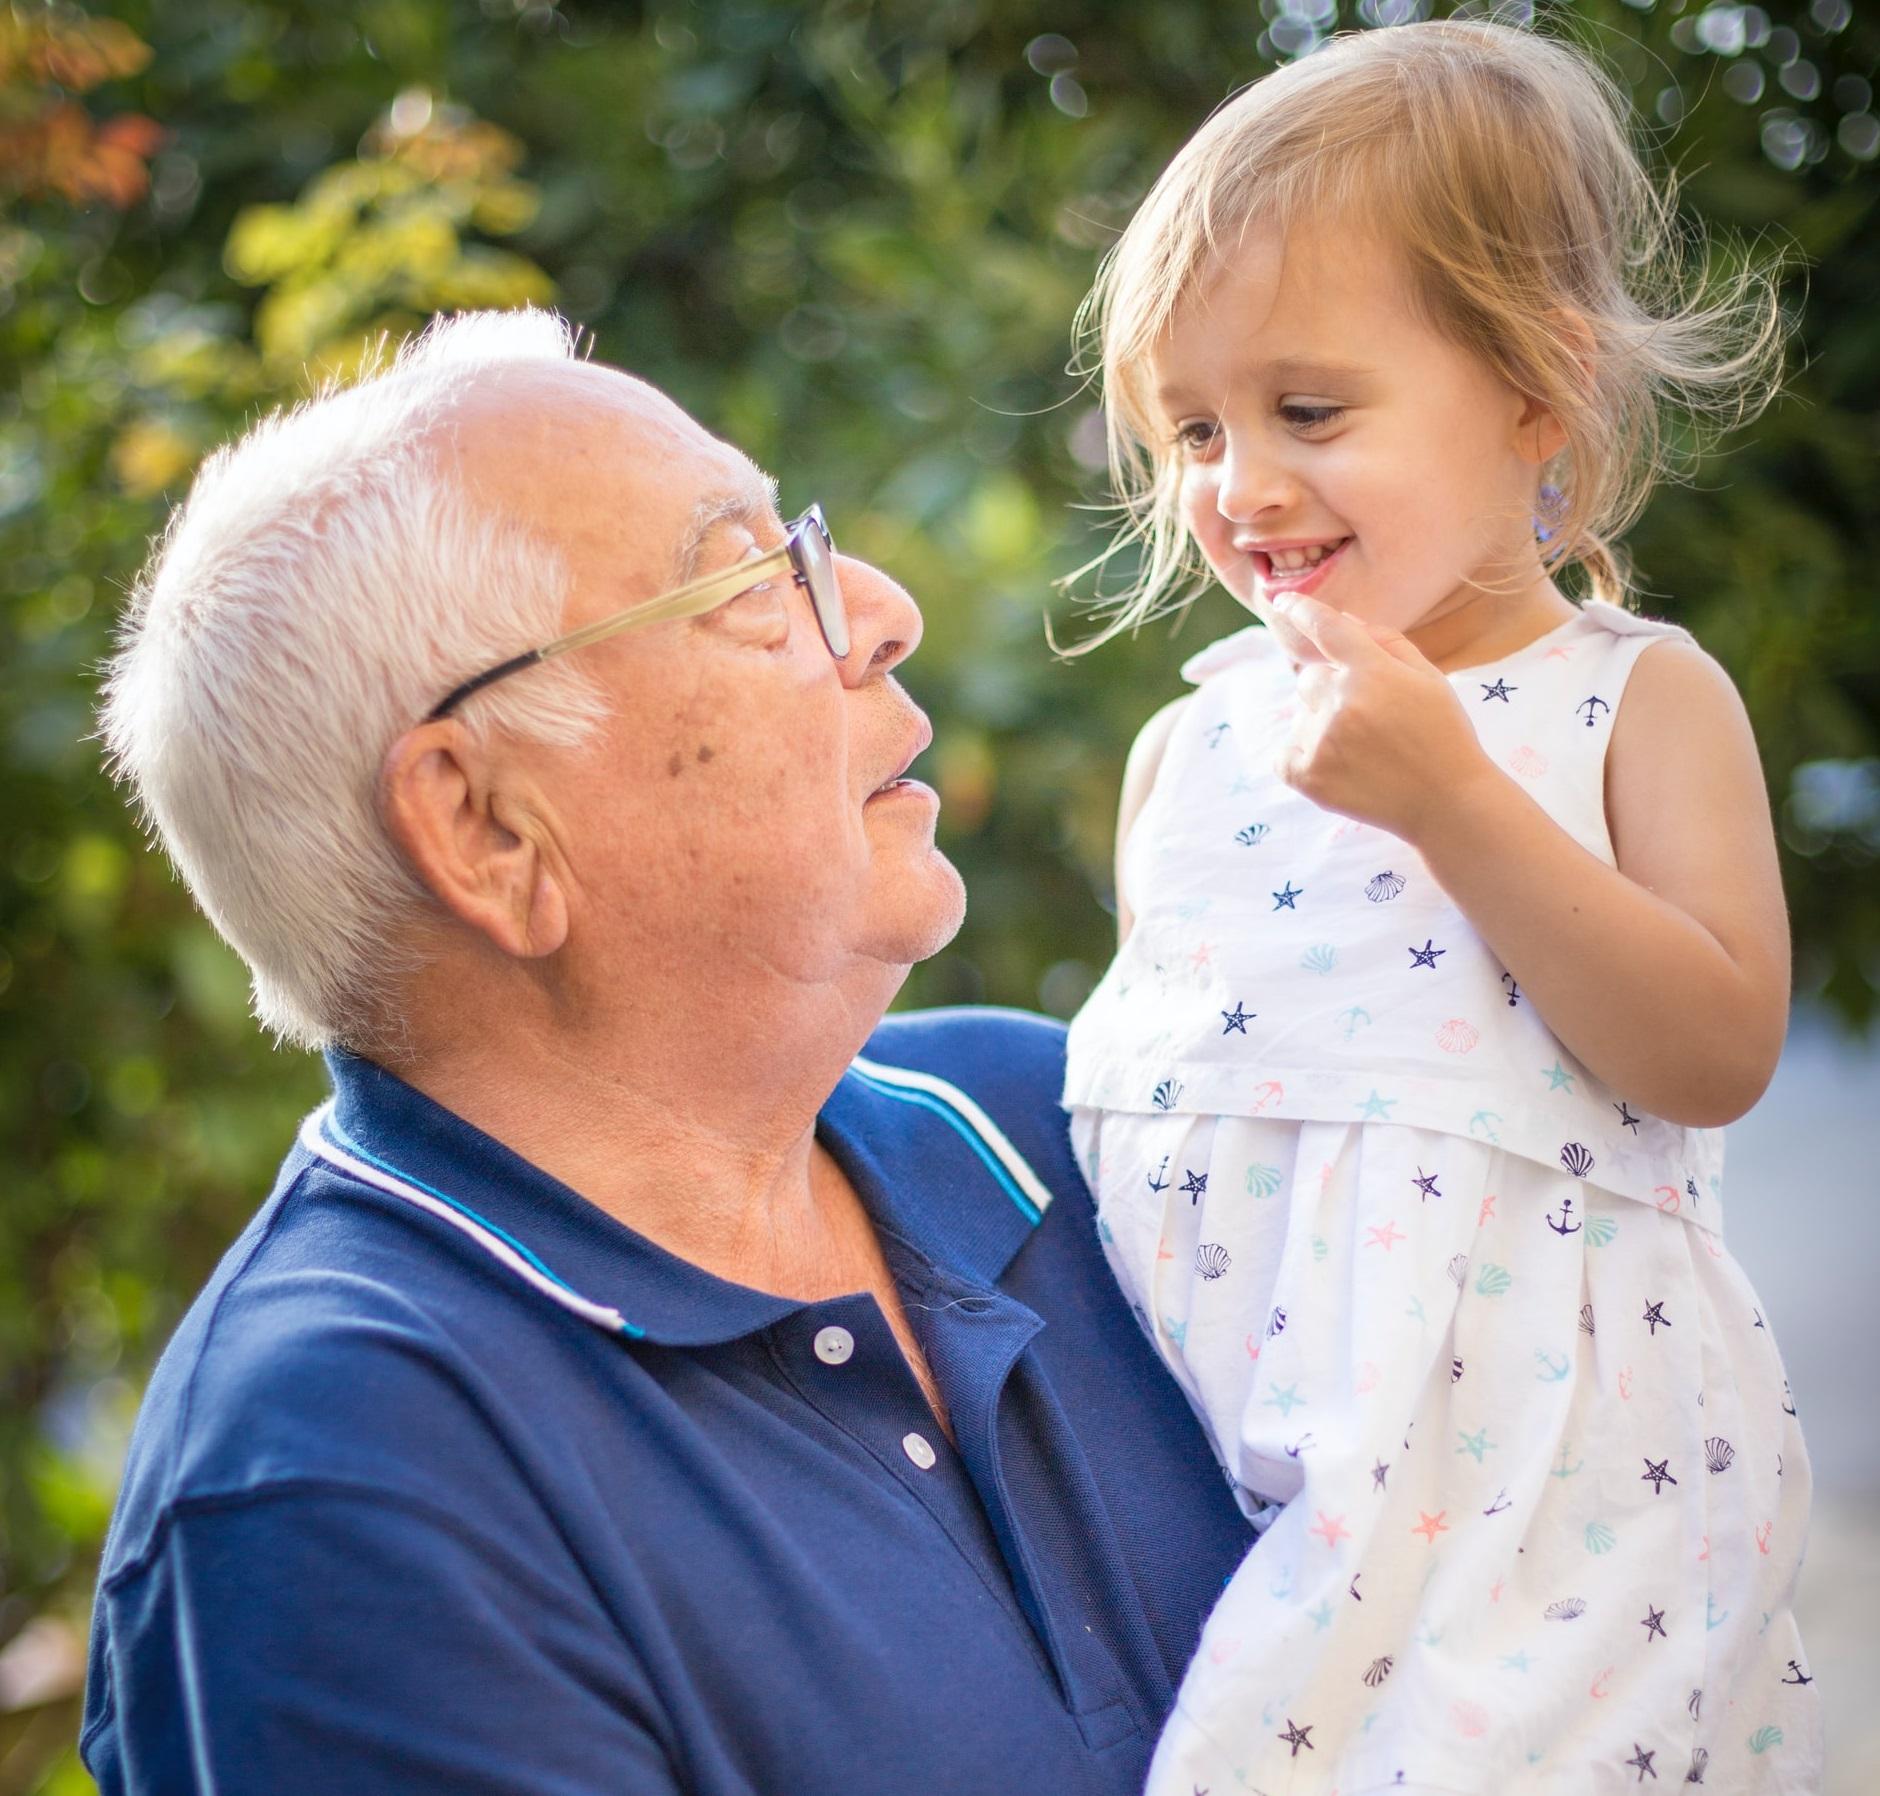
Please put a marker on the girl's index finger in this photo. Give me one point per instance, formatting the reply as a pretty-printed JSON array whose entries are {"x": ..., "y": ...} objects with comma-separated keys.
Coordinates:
[{"x": 1337, "y": 637}]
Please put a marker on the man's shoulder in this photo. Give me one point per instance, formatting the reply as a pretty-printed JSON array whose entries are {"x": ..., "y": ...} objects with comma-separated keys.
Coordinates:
[{"x": 309, "y": 1359}]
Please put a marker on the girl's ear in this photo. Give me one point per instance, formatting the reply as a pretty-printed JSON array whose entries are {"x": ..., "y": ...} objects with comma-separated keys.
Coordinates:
[{"x": 1540, "y": 436}]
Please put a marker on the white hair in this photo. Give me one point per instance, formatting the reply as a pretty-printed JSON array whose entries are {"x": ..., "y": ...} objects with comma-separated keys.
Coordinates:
[{"x": 323, "y": 585}]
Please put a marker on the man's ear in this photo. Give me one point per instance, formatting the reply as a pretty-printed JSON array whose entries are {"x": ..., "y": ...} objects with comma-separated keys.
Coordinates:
[
  {"x": 1540, "y": 434},
  {"x": 473, "y": 837}
]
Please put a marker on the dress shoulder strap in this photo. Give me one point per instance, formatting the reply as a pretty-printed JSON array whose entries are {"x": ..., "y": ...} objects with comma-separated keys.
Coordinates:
[
  {"x": 1255, "y": 643},
  {"x": 1616, "y": 621}
]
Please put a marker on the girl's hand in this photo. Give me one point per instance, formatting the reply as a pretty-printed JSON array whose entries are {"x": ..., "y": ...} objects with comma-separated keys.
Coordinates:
[{"x": 1379, "y": 734}]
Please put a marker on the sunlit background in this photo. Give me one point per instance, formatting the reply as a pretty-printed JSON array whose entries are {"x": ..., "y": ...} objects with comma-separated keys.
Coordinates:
[{"x": 850, "y": 237}]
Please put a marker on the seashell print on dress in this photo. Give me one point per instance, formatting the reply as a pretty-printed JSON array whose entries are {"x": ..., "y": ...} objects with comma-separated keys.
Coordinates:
[
  {"x": 1569, "y": 1608},
  {"x": 1718, "y": 1453},
  {"x": 1319, "y": 959},
  {"x": 1575, "y": 1158},
  {"x": 1457, "y": 1037},
  {"x": 1527, "y": 763},
  {"x": 1384, "y": 887},
  {"x": 1212, "y": 1260}
]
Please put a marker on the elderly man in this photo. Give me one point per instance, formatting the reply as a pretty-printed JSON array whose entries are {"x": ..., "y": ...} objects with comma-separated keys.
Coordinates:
[{"x": 652, "y": 1371}]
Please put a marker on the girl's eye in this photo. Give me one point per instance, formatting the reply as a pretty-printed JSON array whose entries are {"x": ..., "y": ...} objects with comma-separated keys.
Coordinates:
[
  {"x": 1196, "y": 437},
  {"x": 1310, "y": 417}
]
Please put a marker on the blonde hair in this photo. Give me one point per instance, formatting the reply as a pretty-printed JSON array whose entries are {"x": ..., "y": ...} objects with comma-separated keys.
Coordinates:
[{"x": 1501, "y": 164}]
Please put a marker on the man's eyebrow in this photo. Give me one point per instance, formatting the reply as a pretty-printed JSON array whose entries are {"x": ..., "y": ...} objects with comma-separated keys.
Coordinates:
[{"x": 752, "y": 503}]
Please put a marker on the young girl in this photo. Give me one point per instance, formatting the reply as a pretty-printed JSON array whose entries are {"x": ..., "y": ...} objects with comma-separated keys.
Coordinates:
[{"x": 1452, "y": 933}]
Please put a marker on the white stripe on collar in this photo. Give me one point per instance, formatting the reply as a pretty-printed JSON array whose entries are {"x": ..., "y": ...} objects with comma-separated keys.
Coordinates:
[
  {"x": 982, "y": 1125},
  {"x": 315, "y": 1139}
]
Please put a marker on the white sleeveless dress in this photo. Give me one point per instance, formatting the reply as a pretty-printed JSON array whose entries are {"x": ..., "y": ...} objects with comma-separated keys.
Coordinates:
[{"x": 1457, "y": 1318}]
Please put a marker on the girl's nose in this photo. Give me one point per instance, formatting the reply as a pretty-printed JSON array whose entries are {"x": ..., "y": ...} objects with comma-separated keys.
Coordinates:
[
  {"x": 1252, "y": 484},
  {"x": 884, "y": 622}
]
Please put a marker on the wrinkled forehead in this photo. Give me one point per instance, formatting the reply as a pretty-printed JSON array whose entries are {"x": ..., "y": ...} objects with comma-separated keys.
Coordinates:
[{"x": 625, "y": 482}]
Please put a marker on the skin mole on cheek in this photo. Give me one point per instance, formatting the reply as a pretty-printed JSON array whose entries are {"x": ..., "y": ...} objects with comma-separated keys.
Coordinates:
[
  {"x": 704, "y": 753},
  {"x": 676, "y": 765}
]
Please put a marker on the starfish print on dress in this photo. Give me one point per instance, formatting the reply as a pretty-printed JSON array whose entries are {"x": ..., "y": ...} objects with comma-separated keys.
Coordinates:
[
  {"x": 1557, "y": 1077},
  {"x": 1655, "y": 1314},
  {"x": 1477, "y": 1443},
  {"x": 1379, "y": 1473},
  {"x": 1655, "y": 1471},
  {"x": 1284, "y": 900},
  {"x": 1296, "y": 1736},
  {"x": 1332, "y": 1527},
  {"x": 1387, "y": 1237},
  {"x": 1424, "y": 956},
  {"x": 1377, "y": 1109},
  {"x": 1429, "y": 1526},
  {"x": 1285, "y": 1401},
  {"x": 1195, "y": 1184},
  {"x": 1643, "y": 1760},
  {"x": 1238, "y": 1018},
  {"x": 1426, "y": 1183},
  {"x": 1626, "y": 1119},
  {"x": 1499, "y": 690},
  {"x": 1654, "y": 1623}
]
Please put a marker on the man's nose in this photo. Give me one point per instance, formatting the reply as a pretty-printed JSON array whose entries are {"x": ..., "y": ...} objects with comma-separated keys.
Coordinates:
[{"x": 884, "y": 622}]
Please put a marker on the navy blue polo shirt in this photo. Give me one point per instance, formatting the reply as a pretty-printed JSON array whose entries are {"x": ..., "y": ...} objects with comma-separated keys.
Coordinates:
[{"x": 450, "y": 1482}]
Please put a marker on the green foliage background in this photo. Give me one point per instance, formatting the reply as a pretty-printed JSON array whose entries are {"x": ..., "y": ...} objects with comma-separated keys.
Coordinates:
[{"x": 851, "y": 237}]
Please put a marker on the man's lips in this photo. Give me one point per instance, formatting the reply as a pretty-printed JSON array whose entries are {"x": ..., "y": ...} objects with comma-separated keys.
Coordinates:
[{"x": 917, "y": 746}]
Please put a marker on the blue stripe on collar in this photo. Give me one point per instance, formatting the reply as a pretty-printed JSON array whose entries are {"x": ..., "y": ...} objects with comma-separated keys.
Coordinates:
[
  {"x": 322, "y": 1137},
  {"x": 1008, "y": 1166}
]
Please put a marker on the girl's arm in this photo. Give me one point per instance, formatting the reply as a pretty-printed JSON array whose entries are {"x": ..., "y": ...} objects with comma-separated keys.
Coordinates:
[
  {"x": 1145, "y": 761},
  {"x": 1667, "y": 976}
]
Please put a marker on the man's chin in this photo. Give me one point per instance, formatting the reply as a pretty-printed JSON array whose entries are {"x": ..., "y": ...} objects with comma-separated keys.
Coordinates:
[{"x": 932, "y": 908}]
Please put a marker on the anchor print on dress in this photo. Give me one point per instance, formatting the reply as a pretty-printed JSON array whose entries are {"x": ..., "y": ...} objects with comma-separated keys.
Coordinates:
[
  {"x": 1514, "y": 991},
  {"x": 1592, "y": 707},
  {"x": 1157, "y": 1182},
  {"x": 1566, "y": 1225}
]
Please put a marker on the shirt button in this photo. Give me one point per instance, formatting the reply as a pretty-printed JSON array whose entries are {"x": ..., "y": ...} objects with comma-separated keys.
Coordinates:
[
  {"x": 834, "y": 1345},
  {"x": 916, "y": 1448}
]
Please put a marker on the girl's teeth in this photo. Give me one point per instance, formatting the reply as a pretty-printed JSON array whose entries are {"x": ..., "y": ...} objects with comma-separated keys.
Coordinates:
[{"x": 1290, "y": 560}]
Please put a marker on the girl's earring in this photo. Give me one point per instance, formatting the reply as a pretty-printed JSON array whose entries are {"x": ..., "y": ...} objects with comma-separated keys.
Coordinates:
[{"x": 1552, "y": 503}]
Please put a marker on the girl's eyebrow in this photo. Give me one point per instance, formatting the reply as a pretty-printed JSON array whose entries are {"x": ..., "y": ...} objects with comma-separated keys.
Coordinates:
[{"x": 1172, "y": 395}]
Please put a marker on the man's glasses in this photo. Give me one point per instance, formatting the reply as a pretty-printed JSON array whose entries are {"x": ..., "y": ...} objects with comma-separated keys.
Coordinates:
[{"x": 808, "y": 551}]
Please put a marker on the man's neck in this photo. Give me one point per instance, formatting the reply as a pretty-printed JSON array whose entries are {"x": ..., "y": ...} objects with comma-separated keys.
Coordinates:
[{"x": 701, "y": 1141}]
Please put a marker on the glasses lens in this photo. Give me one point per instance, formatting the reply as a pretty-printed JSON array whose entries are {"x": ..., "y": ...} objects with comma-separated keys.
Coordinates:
[{"x": 816, "y": 557}]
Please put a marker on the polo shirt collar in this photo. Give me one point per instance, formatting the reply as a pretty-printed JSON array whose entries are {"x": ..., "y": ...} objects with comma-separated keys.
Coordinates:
[{"x": 923, "y": 1171}]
